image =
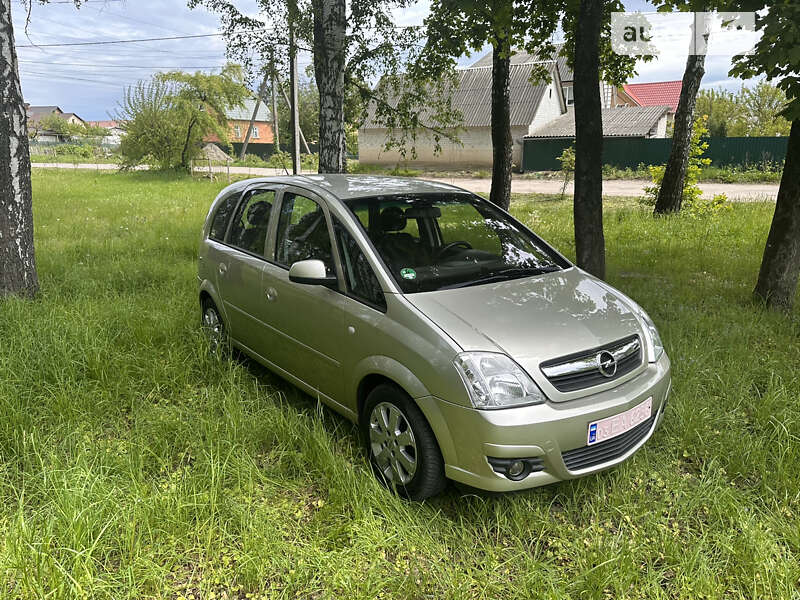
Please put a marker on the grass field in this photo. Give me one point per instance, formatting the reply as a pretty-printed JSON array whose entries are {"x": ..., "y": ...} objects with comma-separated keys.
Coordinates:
[{"x": 135, "y": 465}]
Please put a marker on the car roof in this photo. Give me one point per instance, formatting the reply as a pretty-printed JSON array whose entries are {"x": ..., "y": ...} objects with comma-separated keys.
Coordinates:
[{"x": 348, "y": 187}]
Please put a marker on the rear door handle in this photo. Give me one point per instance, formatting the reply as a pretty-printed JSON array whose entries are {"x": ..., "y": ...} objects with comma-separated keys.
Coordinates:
[{"x": 223, "y": 268}]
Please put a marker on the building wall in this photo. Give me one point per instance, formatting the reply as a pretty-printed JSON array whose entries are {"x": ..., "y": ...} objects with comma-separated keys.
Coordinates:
[
  {"x": 659, "y": 130},
  {"x": 549, "y": 109},
  {"x": 265, "y": 134},
  {"x": 475, "y": 151}
]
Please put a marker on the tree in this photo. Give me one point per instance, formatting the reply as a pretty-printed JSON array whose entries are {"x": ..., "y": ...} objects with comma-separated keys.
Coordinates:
[
  {"x": 588, "y": 201},
  {"x": 724, "y": 111},
  {"x": 670, "y": 194},
  {"x": 776, "y": 56},
  {"x": 762, "y": 106},
  {"x": 457, "y": 27},
  {"x": 588, "y": 49},
  {"x": 17, "y": 258},
  {"x": 752, "y": 111},
  {"x": 168, "y": 118},
  {"x": 349, "y": 49}
]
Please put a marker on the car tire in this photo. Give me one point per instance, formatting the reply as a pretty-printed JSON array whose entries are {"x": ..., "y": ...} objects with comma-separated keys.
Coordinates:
[
  {"x": 214, "y": 327},
  {"x": 401, "y": 445}
]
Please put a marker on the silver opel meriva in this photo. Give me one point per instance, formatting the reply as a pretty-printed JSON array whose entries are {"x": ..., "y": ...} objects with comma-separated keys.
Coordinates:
[{"x": 463, "y": 345}]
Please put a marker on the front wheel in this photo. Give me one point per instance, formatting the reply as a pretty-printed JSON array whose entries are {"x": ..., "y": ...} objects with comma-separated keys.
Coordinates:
[{"x": 402, "y": 447}]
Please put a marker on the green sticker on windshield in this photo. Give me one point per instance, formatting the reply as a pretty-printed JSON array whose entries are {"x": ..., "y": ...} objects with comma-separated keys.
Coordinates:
[{"x": 408, "y": 273}]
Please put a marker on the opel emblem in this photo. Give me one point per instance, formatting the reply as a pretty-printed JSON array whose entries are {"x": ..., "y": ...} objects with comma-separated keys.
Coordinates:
[{"x": 607, "y": 364}]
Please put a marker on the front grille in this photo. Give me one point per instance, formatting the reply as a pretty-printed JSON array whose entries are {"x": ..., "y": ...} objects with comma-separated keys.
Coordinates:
[
  {"x": 597, "y": 454},
  {"x": 583, "y": 369}
]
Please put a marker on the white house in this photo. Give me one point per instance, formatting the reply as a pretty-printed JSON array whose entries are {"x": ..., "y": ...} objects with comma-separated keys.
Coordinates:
[{"x": 531, "y": 107}]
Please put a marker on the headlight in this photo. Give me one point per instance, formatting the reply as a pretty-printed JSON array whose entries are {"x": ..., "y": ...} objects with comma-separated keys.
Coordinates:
[
  {"x": 495, "y": 381},
  {"x": 655, "y": 347}
]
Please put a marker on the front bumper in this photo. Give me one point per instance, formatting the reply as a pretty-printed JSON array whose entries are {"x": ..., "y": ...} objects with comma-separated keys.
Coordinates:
[{"x": 467, "y": 437}]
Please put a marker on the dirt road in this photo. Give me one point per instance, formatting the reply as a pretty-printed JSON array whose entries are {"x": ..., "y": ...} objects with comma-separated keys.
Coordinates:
[{"x": 741, "y": 192}]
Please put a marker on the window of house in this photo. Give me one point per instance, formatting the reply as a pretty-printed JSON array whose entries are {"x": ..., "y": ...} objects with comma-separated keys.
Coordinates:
[
  {"x": 362, "y": 283},
  {"x": 254, "y": 132},
  {"x": 249, "y": 228},
  {"x": 303, "y": 233},
  {"x": 219, "y": 225},
  {"x": 569, "y": 98},
  {"x": 237, "y": 130}
]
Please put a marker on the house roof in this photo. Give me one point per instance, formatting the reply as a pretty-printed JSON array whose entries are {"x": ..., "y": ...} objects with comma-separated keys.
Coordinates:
[
  {"x": 626, "y": 121},
  {"x": 657, "y": 93},
  {"x": 473, "y": 97},
  {"x": 37, "y": 112},
  {"x": 68, "y": 115},
  {"x": 521, "y": 57},
  {"x": 246, "y": 113}
]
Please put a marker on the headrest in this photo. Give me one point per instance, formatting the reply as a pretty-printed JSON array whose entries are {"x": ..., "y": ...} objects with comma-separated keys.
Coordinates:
[
  {"x": 393, "y": 219},
  {"x": 257, "y": 213}
]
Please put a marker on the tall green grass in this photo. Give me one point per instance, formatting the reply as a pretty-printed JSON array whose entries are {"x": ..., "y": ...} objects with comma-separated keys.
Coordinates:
[{"x": 135, "y": 465}]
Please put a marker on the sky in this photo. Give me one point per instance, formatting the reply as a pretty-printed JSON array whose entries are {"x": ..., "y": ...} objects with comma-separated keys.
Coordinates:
[{"x": 90, "y": 80}]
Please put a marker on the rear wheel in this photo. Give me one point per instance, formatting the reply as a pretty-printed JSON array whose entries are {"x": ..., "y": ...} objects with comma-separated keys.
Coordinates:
[
  {"x": 402, "y": 447},
  {"x": 213, "y": 327}
]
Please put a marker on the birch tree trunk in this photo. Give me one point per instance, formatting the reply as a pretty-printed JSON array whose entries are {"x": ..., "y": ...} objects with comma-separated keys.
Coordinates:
[
  {"x": 670, "y": 196},
  {"x": 780, "y": 267},
  {"x": 330, "y": 30},
  {"x": 17, "y": 262},
  {"x": 590, "y": 244},
  {"x": 502, "y": 144}
]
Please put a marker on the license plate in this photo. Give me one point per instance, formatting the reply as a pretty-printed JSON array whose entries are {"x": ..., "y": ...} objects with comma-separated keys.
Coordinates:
[{"x": 611, "y": 427}]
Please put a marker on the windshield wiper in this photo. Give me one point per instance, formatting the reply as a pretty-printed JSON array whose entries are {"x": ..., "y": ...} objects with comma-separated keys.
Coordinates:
[{"x": 505, "y": 275}]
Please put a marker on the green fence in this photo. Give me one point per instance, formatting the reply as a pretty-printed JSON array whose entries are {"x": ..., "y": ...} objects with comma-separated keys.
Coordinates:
[{"x": 541, "y": 154}]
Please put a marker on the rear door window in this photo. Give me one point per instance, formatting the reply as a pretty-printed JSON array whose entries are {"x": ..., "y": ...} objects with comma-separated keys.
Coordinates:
[
  {"x": 219, "y": 224},
  {"x": 251, "y": 223}
]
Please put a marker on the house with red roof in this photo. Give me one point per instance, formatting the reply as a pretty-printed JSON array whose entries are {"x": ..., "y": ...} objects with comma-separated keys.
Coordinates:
[{"x": 656, "y": 93}]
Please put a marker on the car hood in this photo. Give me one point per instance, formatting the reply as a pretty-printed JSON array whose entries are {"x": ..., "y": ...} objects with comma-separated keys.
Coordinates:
[{"x": 532, "y": 319}]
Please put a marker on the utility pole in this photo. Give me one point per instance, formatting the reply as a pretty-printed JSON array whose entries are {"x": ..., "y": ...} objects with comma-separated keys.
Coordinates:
[
  {"x": 293, "y": 108},
  {"x": 277, "y": 134},
  {"x": 261, "y": 91},
  {"x": 302, "y": 137}
]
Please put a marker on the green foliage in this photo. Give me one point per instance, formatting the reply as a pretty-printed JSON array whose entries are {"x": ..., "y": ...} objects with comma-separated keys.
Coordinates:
[
  {"x": 135, "y": 465},
  {"x": 58, "y": 124},
  {"x": 776, "y": 54},
  {"x": 754, "y": 111},
  {"x": 691, "y": 191},
  {"x": 168, "y": 118},
  {"x": 567, "y": 161},
  {"x": 79, "y": 150}
]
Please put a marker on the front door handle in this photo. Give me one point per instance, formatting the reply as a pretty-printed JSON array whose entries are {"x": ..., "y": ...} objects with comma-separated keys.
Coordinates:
[
  {"x": 223, "y": 268},
  {"x": 272, "y": 294}
]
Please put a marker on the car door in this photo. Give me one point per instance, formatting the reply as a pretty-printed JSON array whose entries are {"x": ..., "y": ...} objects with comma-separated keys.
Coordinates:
[
  {"x": 241, "y": 269},
  {"x": 309, "y": 317}
]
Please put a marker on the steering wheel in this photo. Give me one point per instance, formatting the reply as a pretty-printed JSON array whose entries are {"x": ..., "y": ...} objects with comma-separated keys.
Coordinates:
[{"x": 447, "y": 247}]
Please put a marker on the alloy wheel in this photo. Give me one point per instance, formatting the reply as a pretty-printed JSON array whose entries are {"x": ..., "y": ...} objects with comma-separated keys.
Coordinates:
[{"x": 392, "y": 443}]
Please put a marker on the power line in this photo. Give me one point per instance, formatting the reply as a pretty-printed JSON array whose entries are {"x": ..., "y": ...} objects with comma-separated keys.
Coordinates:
[
  {"x": 161, "y": 39},
  {"x": 106, "y": 66}
]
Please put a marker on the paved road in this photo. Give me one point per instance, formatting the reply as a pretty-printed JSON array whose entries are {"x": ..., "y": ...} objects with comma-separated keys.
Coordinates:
[{"x": 634, "y": 188}]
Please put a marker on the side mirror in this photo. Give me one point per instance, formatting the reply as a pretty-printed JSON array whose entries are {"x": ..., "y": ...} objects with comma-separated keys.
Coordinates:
[{"x": 311, "y": 272}]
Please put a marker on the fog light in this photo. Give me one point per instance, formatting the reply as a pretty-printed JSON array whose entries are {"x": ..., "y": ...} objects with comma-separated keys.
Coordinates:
[{"x": 515, "y": 469}]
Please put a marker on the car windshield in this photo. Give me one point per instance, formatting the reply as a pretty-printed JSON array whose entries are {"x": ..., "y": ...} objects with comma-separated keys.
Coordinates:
[{"x": 441, "y": 241}]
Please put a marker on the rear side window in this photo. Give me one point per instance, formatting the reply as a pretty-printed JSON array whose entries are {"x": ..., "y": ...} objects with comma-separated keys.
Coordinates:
[
  {"x": 358, "y": 274},
  {"x": 219, "y": 225},
  {"x": 249, "y": 228}
]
